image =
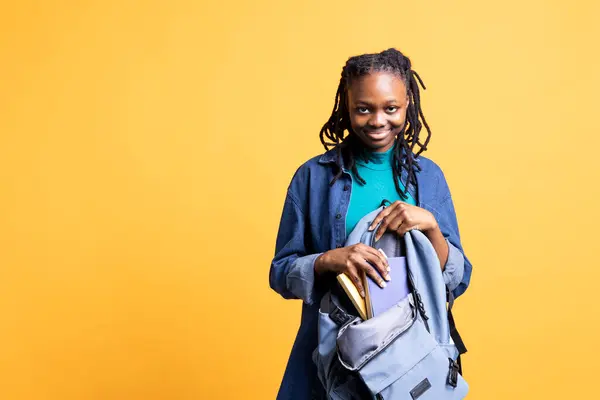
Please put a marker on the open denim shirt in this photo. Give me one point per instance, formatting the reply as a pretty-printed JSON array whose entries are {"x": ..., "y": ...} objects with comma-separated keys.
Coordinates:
[{"x": 313, "y": 222}]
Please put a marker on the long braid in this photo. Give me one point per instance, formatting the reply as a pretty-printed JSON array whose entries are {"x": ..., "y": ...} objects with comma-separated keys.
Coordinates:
[{"x": 348, "y": 147}]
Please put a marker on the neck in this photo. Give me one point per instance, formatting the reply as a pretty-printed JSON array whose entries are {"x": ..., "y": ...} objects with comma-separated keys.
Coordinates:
[{"x": 383, "y": 149}]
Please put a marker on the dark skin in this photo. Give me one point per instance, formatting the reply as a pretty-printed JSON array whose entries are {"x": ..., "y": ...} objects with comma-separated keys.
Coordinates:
[{"x": 377, "y": 103}]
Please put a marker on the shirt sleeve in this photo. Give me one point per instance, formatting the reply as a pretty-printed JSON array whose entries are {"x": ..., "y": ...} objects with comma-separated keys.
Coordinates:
[
  {"x": 292, "y": 272},
  {"x": 455, "y": 267},
  {"x": 458, "y": 269}
]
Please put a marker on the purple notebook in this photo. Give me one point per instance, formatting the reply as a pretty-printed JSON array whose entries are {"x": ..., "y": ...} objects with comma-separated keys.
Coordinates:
[{"x": 382, "y": 299}]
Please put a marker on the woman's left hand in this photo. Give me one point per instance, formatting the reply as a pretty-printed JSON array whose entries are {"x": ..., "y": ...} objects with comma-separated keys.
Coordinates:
[{"x": 401, "y": 217}]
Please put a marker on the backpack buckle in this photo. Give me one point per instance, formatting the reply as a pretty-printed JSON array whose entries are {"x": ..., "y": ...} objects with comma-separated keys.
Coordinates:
[
  {"x": 340, "y": 317},
  {"x": 453, "y": 373}
]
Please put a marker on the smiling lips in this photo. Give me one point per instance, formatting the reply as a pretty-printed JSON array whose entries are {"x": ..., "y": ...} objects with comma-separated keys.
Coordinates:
[{"x": 378, "y": 134}]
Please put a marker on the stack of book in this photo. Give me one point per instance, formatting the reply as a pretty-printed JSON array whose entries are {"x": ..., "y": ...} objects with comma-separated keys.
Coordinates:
[{"x": 377, "y": 299}]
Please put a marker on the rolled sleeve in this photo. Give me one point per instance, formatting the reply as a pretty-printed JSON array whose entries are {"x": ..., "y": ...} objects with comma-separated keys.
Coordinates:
[
  {"x": 300, "y": 279},
  {"x": 292, "y": 272},
  {"x": 458, "y": 268},
  {"x": 455, "y": 267}
]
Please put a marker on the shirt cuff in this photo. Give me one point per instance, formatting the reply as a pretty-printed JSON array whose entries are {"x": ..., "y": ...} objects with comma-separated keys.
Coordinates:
[
  {"x": 301, "y": 278},
  {"x": 455, "y": 267}
]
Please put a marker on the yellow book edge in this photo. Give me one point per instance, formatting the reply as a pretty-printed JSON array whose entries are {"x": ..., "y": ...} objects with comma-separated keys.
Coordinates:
[
  {"x": 368, "y": 304},
  {"x": 353, "y": 294}
]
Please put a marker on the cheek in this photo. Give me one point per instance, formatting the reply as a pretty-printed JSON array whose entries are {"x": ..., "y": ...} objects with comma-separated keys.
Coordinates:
[
  {"x": 397, "y": 120},
  {"x": 358, "y": 121}
]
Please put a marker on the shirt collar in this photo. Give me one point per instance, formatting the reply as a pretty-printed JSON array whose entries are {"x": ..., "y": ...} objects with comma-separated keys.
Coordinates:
[{"x": 328, "y": 157}]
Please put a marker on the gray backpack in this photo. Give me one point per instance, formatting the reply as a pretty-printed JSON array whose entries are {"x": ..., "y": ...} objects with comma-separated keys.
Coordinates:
[{"x": 406, "y": 352}]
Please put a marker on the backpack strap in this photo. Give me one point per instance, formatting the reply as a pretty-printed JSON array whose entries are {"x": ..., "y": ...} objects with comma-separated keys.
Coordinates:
[
  {"x": 460, "y": 344},
  {"x": 418, "y": 301}
]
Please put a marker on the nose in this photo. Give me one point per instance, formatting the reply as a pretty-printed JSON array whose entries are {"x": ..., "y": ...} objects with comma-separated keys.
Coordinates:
[{"x": 378, "y": 120}]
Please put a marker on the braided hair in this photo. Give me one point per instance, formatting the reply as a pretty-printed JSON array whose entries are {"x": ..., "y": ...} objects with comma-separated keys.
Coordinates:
[{"x": 348, "y": 147}]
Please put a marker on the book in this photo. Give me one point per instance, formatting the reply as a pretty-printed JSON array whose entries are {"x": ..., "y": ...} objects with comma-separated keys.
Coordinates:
[
  {"x": 352, "y": 292},
  {"x": 378, "y": 299}
]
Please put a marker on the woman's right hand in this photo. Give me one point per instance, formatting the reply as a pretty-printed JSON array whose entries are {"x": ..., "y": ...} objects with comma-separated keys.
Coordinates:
[{"x": 351, "y": 261}]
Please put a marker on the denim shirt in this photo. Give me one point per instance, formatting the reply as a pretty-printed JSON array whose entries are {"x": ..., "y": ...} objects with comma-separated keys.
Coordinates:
[{"x": 313, "y": 222}]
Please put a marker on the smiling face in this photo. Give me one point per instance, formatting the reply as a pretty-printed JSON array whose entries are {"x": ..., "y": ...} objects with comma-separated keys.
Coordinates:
[{"x": 377, "y": 104}]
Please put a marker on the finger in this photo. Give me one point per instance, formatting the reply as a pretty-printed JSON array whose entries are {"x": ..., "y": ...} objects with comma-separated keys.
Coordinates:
[
  {"x": 354, "y": 275},
  {"x": 399, "y": 211},
  {"x": 377, "y": 259},
  {"x": 397, "y": 222},
  {"x": 386, "y": 223},
  {"x": 372, "y": 273},
  {"x": 382, "y": 256},
  {"x": 407, "y": 228},
  {"x": 384, "y": 213},
  {"x": 383, "y": 227}
]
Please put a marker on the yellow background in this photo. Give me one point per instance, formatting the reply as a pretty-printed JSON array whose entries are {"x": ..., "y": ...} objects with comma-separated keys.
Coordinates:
[{"x": 145, "y": 150}]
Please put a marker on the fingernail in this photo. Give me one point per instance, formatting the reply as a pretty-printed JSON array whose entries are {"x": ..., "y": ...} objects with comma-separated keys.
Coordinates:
[
  {"x": 370, "y": 228},
  {"x": 388, "y": 268},
  {"x": 383, "y": 284},
  {"x": 362, "y": 294},
  {"x": 388, "y": 277}
]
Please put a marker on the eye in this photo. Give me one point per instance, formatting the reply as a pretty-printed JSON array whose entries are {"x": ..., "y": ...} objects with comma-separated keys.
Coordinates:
[
  {"x": 362, "y": 110},
  {"x": 392, "y": 109}
]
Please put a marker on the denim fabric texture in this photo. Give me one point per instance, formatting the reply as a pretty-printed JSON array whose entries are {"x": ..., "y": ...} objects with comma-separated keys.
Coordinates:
[{"x": 313, "y": 222}]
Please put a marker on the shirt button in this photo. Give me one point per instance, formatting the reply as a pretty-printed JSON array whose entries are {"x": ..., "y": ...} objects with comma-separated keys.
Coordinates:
[
  {"x": 338, "y": 216},
  {"x": 346, "y": 188},
  {"x": 339, "y": 245}
]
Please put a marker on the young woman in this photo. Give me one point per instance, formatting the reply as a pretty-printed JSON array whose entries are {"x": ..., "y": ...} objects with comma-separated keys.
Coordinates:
[{"x": 373, "y": 142}]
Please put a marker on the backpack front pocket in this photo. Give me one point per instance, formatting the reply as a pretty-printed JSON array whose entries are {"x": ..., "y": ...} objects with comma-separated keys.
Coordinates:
[
  {"x": 413, "y": 367},
  {"x": 360, "y": 341}
]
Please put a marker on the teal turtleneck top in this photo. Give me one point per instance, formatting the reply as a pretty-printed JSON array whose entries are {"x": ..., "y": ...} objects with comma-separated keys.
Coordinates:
[{"x": 378, "y": 175}]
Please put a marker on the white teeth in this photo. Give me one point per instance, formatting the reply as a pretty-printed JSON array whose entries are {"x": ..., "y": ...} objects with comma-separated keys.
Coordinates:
[{"x": 377, "y": 134}]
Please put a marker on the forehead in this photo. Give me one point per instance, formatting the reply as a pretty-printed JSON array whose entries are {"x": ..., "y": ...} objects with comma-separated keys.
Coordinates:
[{"x": 377, "y": 86}]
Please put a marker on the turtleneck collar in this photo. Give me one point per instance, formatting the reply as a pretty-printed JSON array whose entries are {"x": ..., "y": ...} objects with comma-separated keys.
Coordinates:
[{"x": 377, "y": 160}]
